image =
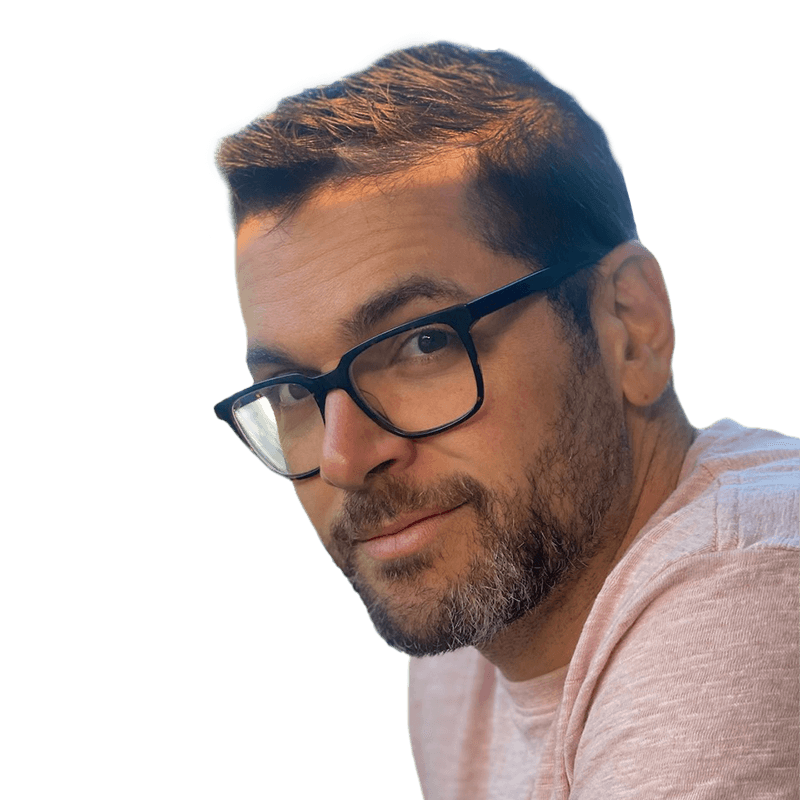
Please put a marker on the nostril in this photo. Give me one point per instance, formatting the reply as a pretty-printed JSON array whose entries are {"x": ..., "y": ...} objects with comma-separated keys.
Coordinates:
[{"x": 384, "y": 466}]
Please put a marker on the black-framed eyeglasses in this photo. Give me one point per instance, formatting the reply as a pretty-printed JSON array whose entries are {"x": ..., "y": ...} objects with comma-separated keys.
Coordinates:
[{"x": 415, "y": 380}]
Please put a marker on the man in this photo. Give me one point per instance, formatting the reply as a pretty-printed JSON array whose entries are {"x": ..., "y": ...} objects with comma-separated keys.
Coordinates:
[{"x": 462, "y": 358}]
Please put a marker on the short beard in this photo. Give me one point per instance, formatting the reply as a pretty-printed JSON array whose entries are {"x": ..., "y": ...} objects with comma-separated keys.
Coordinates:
[{"x": 525, "y": 543}]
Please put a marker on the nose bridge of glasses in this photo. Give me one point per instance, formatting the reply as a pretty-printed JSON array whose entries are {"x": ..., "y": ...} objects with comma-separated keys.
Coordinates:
[{"x": 337, "y": 378}]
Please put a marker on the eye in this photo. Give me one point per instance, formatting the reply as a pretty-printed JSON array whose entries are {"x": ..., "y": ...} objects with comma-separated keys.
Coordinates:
[
  {"x": 286, "y": 395},
  {"x": 425, "y": 342}
]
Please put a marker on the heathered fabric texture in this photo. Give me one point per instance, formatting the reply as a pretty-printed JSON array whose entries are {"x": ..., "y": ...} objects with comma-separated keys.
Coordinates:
[{"x": 685, "y": 681}]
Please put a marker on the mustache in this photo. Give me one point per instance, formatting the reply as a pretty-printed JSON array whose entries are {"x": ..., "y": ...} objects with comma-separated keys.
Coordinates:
[{"x": 368, "y": 509}]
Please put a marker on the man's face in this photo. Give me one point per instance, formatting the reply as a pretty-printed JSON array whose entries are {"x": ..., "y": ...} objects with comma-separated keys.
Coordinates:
[{"x": 448, "y": 538}]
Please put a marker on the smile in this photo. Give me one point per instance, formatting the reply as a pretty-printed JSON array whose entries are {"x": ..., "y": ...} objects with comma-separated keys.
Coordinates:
[{"x": 406, "y": 538}]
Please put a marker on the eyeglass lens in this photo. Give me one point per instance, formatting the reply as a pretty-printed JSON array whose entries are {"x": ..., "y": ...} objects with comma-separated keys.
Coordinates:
[{"x": 416, "y": 381}]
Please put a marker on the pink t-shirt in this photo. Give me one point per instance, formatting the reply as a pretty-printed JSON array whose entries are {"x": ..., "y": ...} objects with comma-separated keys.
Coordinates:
[{"x": 685, "y": 682}]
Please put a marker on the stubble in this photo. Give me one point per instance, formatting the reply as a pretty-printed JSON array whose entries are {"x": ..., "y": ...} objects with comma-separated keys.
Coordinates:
[{"x": 524, "y": 543}]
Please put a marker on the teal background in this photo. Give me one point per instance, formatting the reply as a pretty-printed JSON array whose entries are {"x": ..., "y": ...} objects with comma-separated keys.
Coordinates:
[{"x": 171, "y": 627}]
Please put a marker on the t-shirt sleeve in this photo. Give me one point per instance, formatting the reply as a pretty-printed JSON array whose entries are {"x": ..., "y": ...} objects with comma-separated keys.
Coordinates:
[{"x": 699, "y": 697}]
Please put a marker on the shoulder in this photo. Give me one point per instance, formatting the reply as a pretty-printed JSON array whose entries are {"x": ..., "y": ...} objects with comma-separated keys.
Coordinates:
[
  {"x": 732, "y": 521},
  {"x": 756, "y": 485},
  {"x": 739, "y": 490},
  {"x": 685, "y": 675},
  {"x": 692, "y": 689},
  {"x": 727, "y": 454}
]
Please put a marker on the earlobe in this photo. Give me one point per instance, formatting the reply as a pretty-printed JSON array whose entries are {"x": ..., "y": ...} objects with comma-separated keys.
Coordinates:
[
  {"x": 644, "y": 322},
  {"x": 645, "y": 377}
]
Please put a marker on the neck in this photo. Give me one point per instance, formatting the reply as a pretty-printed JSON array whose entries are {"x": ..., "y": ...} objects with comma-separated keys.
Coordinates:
[
  {"x": 660, "y": 438},
  {"x": 545, "y": 639}
]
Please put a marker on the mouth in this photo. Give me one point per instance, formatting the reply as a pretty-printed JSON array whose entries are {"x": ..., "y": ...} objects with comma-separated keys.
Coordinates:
[{"x": 406, "y": 535}]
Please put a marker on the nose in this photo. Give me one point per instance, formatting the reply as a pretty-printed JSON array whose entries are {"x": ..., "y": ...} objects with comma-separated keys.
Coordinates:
[{"x": 354, "y": 447}]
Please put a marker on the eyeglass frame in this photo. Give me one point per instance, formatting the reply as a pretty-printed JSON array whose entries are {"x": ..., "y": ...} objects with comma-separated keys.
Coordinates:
[{"x": 459, "y": 317}]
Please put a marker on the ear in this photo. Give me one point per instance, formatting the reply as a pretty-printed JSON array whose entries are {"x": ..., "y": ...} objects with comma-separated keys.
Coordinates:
[{"x": 634, "y": 323}]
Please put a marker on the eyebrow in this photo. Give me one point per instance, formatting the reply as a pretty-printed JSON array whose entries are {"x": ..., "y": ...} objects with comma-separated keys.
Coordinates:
[{"x": 370, "y": 313}]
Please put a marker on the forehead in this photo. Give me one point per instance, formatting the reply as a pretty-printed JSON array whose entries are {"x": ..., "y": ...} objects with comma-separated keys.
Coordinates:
[
  {"x": 341, "y": 226},
  {"x": 300, "y": 276}
]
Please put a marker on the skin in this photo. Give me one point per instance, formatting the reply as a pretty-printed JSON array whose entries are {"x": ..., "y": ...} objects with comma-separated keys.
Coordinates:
[{"x": 298, "y": 280}]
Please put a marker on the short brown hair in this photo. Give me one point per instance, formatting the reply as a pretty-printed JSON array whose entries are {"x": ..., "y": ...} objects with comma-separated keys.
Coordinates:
[{"x": 545, "y": 189}]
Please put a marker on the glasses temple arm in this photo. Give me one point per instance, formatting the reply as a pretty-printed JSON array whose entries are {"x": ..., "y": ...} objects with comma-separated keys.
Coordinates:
[{"x": 530, "y": 284}]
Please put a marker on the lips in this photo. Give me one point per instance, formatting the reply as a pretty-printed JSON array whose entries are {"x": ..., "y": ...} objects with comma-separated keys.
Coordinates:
[
  {"x": 406, "y": 535},
  {"x": 405, "y": 521}
]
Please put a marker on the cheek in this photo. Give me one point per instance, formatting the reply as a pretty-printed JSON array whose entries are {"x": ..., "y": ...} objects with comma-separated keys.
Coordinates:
[{"x": 522, "y": 402}]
